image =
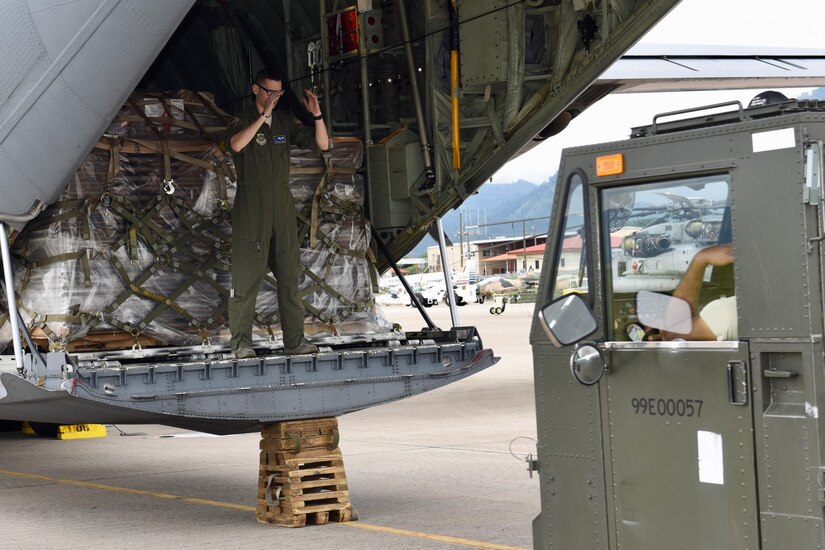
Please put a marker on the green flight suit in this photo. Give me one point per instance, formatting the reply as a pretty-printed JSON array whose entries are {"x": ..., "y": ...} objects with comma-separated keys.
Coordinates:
[{"x": 264, "y": 226}]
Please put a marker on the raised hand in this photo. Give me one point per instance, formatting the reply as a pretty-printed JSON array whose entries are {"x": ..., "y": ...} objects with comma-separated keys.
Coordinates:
[
  {"x": 716, "y": 255},
  {"x": 311, "y": 103},
  {"x": 271, "y": 101}
]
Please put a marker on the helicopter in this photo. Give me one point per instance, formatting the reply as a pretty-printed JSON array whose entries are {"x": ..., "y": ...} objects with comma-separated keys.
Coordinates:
[{"x": 654, "y": 235}]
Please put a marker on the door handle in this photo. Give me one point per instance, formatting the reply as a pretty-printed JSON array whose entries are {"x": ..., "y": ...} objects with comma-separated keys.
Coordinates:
[
  {"x": 737, "y": 383},
  {"x": 772, "y": 373}
]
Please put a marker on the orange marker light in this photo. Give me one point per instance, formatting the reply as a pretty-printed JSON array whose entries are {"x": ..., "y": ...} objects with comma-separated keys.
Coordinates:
[{"x": 610, "y": 165}]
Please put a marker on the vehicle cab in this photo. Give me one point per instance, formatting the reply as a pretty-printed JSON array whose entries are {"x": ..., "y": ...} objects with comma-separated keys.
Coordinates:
[{"x": 678, "y": 387}]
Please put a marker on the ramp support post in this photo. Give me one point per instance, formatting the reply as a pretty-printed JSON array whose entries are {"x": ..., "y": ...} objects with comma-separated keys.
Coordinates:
[
  {"x": 448, "y": 278},
  {"x": 8, "y": 273}
]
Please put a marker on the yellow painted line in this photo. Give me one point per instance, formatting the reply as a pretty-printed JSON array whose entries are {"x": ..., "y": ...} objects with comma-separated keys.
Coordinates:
[
  {"x": 246, "y": 508},
  {"x": 429, "y": 536},
  {"x": 128, "y": 490}
]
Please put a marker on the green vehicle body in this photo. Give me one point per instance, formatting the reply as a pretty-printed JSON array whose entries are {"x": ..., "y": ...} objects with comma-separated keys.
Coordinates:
[{"x": 689, "y": 444}]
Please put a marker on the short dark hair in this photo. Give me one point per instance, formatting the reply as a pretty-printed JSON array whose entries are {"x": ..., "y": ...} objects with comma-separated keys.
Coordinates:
[{"x": 268, "y": 73}]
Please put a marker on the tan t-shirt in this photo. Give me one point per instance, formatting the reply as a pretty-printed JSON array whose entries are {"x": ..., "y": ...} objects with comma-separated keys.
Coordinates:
[{"x": 720, "y": 315}]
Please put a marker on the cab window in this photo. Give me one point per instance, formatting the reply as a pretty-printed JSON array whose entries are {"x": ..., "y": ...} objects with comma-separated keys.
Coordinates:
[
  {"x": 571, "y": 256},
  {"x": 668, "y": 260}
]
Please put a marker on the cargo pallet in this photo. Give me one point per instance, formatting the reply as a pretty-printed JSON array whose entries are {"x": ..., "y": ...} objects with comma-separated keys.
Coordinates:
[{"x": 302, "y": 478}]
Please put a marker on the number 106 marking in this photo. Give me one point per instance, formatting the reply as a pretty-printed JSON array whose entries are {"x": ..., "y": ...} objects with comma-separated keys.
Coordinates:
[{"x": 653, "y": 406}]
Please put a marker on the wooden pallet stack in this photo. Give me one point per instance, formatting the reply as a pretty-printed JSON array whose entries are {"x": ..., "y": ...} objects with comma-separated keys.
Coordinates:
[{"x": 302, "y": 478}]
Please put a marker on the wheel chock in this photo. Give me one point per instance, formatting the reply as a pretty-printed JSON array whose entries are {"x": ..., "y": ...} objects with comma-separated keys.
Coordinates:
[{"x": 81, "y": 431}]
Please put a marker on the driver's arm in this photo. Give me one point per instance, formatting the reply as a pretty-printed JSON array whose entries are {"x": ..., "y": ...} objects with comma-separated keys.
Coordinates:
[{"x": 691, "y": 285}]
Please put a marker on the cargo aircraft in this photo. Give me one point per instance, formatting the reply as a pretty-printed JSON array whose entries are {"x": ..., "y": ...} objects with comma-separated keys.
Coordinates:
[{"x": 440, "y": 93}]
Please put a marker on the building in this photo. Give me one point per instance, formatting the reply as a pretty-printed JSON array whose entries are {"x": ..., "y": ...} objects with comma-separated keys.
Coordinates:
[
  {"x": 518, "y": 260},
  {"x": 454, "y": 257},
  {"x": 500, "y": 255}
]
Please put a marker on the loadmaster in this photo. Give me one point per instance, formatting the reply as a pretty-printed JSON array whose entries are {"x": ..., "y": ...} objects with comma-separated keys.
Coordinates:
[{"x": 263, "y": 216}]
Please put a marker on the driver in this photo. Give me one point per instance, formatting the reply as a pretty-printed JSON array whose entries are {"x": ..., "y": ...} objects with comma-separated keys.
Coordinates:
[{"x": 717, "y": 320}]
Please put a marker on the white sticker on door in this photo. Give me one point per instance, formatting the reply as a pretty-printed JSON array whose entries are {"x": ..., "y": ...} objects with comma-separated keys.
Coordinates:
[{"x": 711, "y": 458}]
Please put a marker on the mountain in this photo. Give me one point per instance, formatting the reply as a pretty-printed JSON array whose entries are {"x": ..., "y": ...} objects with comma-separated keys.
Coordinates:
[
  {"x": 537, "y": 205},
  {"x": 508, "y": 203}
]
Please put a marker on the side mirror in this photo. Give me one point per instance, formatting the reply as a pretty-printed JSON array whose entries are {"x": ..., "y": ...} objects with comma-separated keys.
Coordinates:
[
  {"x": 587, "y": 364},
  {"x": 567, "y": 320}
]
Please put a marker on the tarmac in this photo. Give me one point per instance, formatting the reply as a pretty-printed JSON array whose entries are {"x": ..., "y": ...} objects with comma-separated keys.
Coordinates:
[{"x": 445, "y": 469}]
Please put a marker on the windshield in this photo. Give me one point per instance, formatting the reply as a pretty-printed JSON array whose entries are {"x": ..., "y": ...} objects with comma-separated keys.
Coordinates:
[{"x": 669, "y": 238}]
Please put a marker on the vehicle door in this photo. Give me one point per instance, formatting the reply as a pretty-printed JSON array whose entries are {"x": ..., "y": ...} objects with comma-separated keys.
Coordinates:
[{"x": 676, "y": 407}]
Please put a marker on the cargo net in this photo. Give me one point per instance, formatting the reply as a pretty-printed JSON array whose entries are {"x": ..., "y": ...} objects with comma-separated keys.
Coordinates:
[{"x": 136, "y": 251}]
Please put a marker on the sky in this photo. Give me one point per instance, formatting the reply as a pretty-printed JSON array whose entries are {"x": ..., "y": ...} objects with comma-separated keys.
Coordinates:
[{"x": 791, "y": 23}]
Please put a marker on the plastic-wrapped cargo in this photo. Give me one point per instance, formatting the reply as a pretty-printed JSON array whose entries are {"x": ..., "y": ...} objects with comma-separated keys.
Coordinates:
[
  {"x": 5, "y": 326},
  {"x": 137, "y": 248}
]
